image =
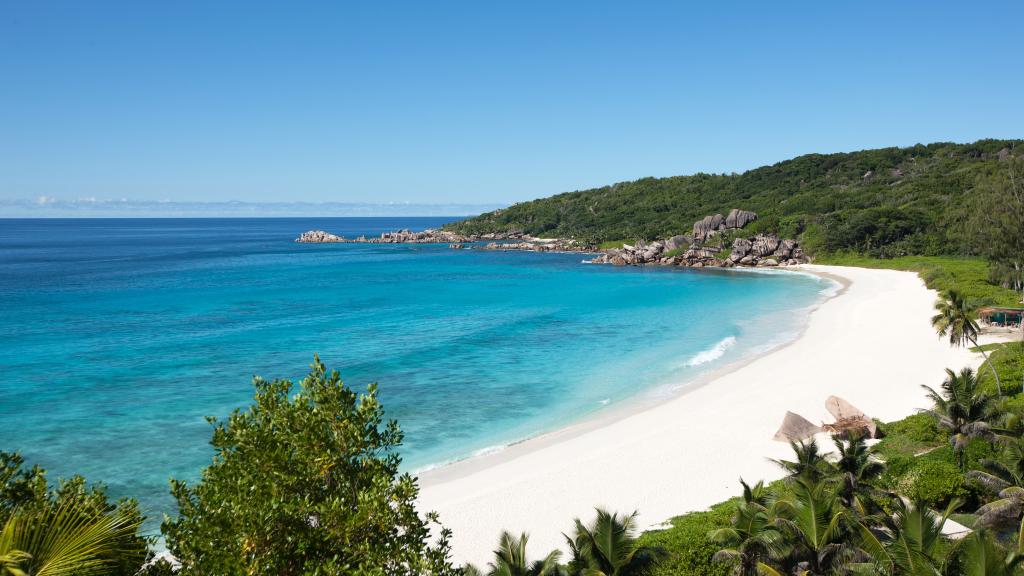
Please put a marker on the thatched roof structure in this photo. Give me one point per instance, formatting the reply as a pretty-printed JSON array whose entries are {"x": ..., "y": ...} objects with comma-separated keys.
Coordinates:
[
  {"x": 795, "y": 428},
  {"x": 849, "y": 419}
]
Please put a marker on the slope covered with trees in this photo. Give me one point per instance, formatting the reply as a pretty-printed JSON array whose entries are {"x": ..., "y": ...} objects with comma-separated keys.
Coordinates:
[{"x": 884, "y": 203}]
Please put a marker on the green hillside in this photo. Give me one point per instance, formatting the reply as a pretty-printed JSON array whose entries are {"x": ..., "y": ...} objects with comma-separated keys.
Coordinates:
[{"x": 886, "y": 202}]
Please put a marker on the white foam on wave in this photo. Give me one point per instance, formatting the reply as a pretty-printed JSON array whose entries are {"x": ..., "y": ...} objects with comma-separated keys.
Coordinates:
[{"x": 713, "y": 353}]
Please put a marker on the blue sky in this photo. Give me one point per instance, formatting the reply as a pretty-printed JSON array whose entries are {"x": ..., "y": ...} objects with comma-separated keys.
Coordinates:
[{"x": 477, "y": 102}]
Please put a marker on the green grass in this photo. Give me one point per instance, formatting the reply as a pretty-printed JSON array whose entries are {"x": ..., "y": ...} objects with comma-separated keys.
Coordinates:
[
  {"x": 690, "y": 550},
  {"x": 986, "y": 347},
  {"x": 610, "y": 244},
  {"x": 968, "y": 275},
  {"x": 1009, "y": 362},
  {"x": 909, "y": 436}
]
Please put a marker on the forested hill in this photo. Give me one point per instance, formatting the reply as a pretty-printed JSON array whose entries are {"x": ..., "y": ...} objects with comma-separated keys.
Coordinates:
[{"x": 884, "y": 202}]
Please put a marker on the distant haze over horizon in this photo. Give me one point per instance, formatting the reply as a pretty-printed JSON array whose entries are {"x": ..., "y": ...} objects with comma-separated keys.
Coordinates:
[
  {"x": 205, "y": 106},
  {"x": 46, "y": 207}
]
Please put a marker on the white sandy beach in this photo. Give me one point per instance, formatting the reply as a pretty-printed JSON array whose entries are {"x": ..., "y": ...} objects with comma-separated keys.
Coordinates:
[{"x": 872, "y": 345}]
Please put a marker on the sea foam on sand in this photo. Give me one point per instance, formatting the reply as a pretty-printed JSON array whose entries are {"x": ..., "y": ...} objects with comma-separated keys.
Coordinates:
[{"x": 871, "y": 344}]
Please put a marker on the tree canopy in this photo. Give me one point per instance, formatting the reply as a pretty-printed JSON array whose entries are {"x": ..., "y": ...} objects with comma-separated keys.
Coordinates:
[
  {"x": 885, "y": 202},
  {"x": 305, "y": 482}
]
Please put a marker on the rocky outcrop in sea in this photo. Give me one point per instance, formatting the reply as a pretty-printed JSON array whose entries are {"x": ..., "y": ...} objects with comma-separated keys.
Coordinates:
[
  {"x": 707, "y": 246},
  {"x": 318, "y": 237},
  {"x": 429, "y": 236}
]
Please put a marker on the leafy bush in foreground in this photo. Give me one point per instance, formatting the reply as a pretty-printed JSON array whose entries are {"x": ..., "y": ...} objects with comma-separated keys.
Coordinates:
[
  {"x": 305, "y": 482},
  {"x": 71, "y": 524}
]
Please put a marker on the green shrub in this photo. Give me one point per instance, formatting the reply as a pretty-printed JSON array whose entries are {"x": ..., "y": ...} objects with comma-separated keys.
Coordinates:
[
  {"x": 1009, "y": 362},
  {"x": 910, "y": 436},
  {"x": 935, "y": 482},
  {"x": 688, "y": 544},
  {"x": 920, "y": 427}
]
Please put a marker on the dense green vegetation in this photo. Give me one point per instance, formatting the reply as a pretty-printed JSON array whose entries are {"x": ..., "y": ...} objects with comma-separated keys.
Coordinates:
[
  {"x": 921, "y": 464},
  {"x": 305, "y": 481},
  {"x": 71, "y": 529},
  {"x": 968, "y": 275},
  {"x": 884, "y": 203}
]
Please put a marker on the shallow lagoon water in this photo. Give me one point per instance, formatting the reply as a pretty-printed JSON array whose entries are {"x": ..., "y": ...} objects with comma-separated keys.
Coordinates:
[{"x": 119, "y": 336}]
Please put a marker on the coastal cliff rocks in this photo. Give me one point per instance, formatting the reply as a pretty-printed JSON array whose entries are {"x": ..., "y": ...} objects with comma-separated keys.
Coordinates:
[
  {"x": 740, "y": 248},
  {"x": 534, "y": 245},
  {"x": 707, "y": 226},
  {"x": 676, "y": 242},
  {"x": 763, "y": 250},
  {"x": 739, "y": 218},
  {"x": 711, "y": 225},
  {"x": 764, "y": 244}
]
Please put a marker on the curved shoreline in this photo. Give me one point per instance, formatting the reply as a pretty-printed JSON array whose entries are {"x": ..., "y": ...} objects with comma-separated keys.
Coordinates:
[
  {"x": 635, "y": 404},
  {"x": 870, "y": 343}
]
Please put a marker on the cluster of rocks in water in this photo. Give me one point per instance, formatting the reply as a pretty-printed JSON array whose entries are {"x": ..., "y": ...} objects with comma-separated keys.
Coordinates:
[
  {"x": 429, "y": 236},
  {"x": 704, "y": 248}
]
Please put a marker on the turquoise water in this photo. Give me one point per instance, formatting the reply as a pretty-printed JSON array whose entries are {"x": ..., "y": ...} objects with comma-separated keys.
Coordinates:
[{"x": 119, "y": 336}]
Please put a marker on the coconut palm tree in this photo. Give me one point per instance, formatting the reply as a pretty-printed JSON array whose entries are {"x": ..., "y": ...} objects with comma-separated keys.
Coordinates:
[
  {"x": 907, "y": 543},
  {"x": 956, "y": 320},
  {"x": 962, "y": 409},
  {"x": 1005, "y": 478},
  {"x": 855, "y": 472},
  {"x": 608, "y": 547},
  {"x": 817, "y": 528},
  {"x": 810, "y": 463},
  {"x": 983, "y": 556},
  {"x": 752, "y": 538},
  {"x": 63, "y": 540},
  {"x": 510, "y": 560}
]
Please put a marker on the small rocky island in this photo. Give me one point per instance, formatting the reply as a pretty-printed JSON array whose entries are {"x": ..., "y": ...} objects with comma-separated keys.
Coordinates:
[{"x": 715, "y": 241}]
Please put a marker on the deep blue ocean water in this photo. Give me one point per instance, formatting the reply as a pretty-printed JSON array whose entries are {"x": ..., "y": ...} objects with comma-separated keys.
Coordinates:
[{"x": 118, "y": 336}]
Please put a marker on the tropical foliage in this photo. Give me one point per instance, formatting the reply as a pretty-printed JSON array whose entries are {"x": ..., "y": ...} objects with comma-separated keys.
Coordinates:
[
  {"x": 305, "y": 481},
  {"x": 69, "y": 529},
  {"x": 883, "y": 203}
]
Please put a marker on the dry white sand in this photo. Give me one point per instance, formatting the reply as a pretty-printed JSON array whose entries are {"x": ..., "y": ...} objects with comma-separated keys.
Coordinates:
[{"x": 872, "y": 345}]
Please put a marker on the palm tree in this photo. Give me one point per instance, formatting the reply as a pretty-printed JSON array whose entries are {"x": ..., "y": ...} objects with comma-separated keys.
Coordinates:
[
  {"x": 608, "y": 547},
  {"x": 983, "y": 556},
  {"x": 810, "y": 463},
  {"x": 752, "y": 538},
  {"x": 962, "y": 409},
  {"x": 63, "y": 540},
  {"x": 816, "y": 526},
  {"x": 510, "y": 560},
  {"x": 1004, "y": 477},
  {"x": 956, "y": 320},
  {"x": 855, "y": 471},
  {"x": 907, "y": 543}
]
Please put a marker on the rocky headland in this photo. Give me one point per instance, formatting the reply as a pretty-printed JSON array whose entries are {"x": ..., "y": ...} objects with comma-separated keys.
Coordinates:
[
  {"x": 708, "y": 245},
  {"x": 715, "y": 241}
]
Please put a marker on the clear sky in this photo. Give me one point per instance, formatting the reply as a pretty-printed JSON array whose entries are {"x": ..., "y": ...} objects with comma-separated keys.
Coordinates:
[{"x": 477, "y": 102}]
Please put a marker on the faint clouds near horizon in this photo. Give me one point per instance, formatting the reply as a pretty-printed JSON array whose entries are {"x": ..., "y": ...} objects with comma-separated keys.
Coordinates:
[{"x": 92, "y": 207}]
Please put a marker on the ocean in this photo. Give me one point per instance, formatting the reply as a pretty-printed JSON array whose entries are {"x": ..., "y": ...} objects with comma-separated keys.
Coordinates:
[{"x": 120, "y": 335}]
